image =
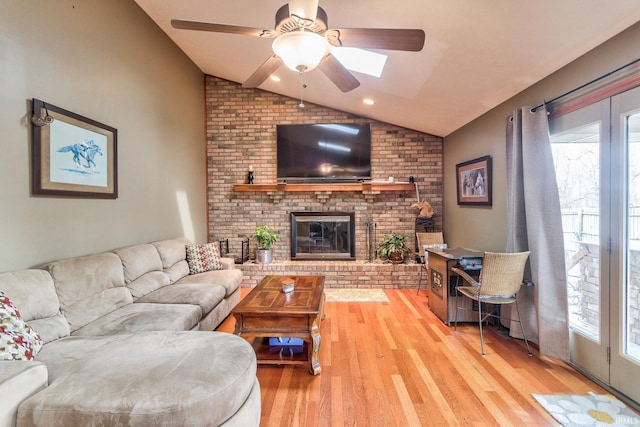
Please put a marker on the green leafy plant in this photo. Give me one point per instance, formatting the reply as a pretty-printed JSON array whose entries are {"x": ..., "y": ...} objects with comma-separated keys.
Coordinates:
[
  {"x": 393, "y": 246},
  {"x": 265, "y": 237}
]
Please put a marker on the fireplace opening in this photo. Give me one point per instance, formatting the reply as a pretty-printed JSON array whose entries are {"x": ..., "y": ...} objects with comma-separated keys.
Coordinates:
[{"x": 323, "y": 236}]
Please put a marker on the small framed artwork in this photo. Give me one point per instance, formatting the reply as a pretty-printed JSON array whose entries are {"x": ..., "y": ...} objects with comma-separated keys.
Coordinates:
[
  {"x": 473, "y": 180},
  {"x": 72, "y": 156}
]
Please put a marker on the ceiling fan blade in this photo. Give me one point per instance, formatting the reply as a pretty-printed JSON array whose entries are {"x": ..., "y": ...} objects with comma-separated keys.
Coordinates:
[
  {"x": 338, "y": 74},
  {"x": 221, "y": 28},
  {"x": 263, "y": 72},
  {"x": 377, "y": 38}
]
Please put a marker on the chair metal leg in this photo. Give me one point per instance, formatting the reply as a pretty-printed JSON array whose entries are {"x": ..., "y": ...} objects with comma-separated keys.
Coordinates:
[
  {"x": 480, "y": 323},
  {"x": 522, "y": 329},
  {"x": 420, "y": 279},
  {"x": 455, "y": 319}
]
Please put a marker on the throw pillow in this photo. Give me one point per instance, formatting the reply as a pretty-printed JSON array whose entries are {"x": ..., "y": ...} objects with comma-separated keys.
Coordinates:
[
  {"x": 18, "y": 341},
  {"x": 203, "y": 258}
]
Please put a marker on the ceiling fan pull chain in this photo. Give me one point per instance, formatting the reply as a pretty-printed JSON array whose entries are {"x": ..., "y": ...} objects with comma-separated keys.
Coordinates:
[{"x": 303, "y": 86}]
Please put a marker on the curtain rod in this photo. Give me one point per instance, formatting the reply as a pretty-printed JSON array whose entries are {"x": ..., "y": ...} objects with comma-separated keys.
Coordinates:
[{"x": 533, "y": 110}]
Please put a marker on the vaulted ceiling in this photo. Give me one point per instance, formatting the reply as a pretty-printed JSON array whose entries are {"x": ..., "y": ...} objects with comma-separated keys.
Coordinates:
[{"x": 477, "y": 54}]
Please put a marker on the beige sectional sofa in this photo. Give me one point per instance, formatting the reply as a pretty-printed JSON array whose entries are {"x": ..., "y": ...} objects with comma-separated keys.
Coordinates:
[{"x": 129, "y": 341}]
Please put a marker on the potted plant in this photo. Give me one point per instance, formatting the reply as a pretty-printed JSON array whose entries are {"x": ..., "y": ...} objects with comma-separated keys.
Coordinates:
[
  {"x": 393, "y": 247},
  {"x": 265, "y": 239}
]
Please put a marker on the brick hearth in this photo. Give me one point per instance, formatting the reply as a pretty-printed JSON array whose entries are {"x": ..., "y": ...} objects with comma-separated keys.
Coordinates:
[{"x": 339, "y": 274}]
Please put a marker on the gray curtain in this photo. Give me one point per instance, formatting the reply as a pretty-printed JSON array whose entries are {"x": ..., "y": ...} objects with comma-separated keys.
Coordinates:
[{"x": 534, "y": 223}]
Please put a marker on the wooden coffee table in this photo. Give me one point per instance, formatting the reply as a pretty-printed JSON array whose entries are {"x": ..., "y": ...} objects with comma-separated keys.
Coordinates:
[{"x": 268, "y": 312}]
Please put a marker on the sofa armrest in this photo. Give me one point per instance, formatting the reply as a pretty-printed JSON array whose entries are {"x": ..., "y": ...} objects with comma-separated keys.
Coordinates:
[
  {"x": 18, "y": 381},
  {"x": 228, "y": 263}
]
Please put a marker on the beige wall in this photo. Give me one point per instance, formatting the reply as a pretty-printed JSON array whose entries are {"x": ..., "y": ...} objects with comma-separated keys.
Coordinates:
[
  {"x": 485, "y": 228},
  {"x": 107, "y": 61}
]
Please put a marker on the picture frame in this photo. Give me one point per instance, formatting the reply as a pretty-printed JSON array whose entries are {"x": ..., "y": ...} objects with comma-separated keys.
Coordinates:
[
  {"x": 474, "y": 182},
  {"x": 72, "y": 155}
]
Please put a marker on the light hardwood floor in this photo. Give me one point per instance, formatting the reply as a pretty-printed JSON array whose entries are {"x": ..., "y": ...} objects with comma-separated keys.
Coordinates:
[{"x": 396, "y": 364}]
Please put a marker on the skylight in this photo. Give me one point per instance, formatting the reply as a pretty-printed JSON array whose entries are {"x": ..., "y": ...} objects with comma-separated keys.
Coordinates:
[{"x": 360, "y": 60}]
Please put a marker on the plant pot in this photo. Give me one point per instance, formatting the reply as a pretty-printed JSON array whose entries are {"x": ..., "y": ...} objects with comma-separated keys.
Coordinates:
[
  {"x": 396, "y": 258},
  {"x": 264, "y": 256}
]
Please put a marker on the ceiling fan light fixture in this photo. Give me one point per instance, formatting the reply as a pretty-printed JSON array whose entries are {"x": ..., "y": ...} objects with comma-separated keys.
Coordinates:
[{"x": 301, "y": 50}]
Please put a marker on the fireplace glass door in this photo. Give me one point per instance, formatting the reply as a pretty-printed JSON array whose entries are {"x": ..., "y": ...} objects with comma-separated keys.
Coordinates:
[{"x": 322, "y": 236}]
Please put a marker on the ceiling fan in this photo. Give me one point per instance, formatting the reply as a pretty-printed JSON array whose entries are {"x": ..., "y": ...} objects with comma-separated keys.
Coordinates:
[{"x": 302, "y": 40}]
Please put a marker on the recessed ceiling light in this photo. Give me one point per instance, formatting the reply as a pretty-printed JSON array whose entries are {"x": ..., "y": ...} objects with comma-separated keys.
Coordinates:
[
  {"x": 275, "y": 78},
  {"x": 368, "y": 101}
]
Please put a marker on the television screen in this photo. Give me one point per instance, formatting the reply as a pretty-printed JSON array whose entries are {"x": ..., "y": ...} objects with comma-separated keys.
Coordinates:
[{"x": 324, "y": 152}]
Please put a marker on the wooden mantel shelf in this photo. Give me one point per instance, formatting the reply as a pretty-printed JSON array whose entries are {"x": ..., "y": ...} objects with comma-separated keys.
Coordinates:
[{"x": 356, "y": 186}]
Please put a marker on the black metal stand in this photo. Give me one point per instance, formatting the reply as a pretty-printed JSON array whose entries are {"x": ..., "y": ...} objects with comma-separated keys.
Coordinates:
[
  {"x": 371, "y": 241},
  {"x": 244, "y": 250},
  {"x": 426, "y": 225},
  {"x": 244, "y": 257}
]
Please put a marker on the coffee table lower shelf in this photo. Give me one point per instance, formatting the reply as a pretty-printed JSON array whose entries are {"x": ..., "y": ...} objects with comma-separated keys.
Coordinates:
[{"x": 279, "y": 355}]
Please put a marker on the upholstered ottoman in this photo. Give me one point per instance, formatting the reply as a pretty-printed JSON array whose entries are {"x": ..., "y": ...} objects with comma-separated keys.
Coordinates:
[{"x": 147, "y": 379}]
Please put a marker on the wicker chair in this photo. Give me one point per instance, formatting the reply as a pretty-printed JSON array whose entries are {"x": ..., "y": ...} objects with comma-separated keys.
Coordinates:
[
  {"x": 500, "y": 280},
  {"x": 435, "y": 238}
]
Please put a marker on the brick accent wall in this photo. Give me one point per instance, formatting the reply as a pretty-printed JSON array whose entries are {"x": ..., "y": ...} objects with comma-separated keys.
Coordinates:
[{"x": 241, "y": 131}]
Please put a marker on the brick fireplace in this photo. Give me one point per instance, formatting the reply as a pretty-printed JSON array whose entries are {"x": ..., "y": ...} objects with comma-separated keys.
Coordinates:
[{"x": 241, "y": 132}]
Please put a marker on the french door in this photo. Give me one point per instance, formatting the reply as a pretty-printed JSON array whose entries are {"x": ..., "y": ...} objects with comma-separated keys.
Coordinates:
[
  {"x": 597, "y": 156},
  {"x": 625, "y": 331},
  {"x": 580, "y": 146}
]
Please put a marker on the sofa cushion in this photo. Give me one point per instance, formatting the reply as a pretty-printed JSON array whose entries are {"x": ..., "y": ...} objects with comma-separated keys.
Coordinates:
[
  {"x": 146, "y": 283},
  {"x": 145, "y": 379},
  {"x": 33, "y": 292},
  {"x": 142, "y": 269},
  {"x": 229, "y": 279},
  {"x": 141, "y": 317},
  {"x": 89, "y": 287},
  {"x": 205, "y": 295},
  {"x": 177, "y": 271},
  {"x": 18, "y": 341},
  {"x": 202, "y": 258},
  {"x": 138, "y": 260},
  {"x": 172, "y": 251}
]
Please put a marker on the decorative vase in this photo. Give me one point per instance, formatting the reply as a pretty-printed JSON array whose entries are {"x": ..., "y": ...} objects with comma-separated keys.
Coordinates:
[{"x": 264, "y": 256}]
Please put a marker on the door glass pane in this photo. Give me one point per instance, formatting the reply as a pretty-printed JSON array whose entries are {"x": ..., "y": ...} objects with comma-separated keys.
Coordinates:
[
  {"x": 576, "y": 154},
  {"x": 632, "y": 273}
]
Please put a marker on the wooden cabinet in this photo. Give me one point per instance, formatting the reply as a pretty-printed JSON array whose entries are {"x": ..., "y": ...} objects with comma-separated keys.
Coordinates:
[{"x": 442, "y": 283}]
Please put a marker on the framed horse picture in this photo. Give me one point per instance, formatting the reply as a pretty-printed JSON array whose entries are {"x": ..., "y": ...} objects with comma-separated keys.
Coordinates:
[
  {"x": 474, "y": 182},
  {"x": 72, "y": 156}
]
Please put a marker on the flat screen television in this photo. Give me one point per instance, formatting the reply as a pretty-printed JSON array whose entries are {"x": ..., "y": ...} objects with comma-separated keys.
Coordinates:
[{"x": 324, "y": 152}]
